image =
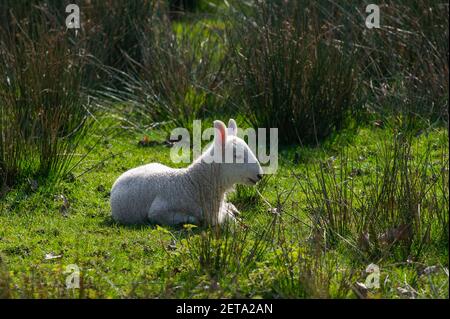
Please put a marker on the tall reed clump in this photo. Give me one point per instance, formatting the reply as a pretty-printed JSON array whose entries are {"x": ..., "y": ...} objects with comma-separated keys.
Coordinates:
[
  {"x": 230, "y": 249},
  {"x": 108, "y": 28},
  {"x": 112, "y": 29},
  {"x": 181, "y": 76},
  {"x": 291, "y": 73},
  {"x": 293, "y": 266},
  {"x": 404, "y": 63},
  {"x": 43, "y": 105},
  {"x": 397, "y": 209},
  {"x": 304, "y": 271}
]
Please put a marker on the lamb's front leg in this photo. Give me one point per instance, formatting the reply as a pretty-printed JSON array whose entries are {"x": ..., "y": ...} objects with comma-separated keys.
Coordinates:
[
  {"x": 231, "y": 208},
  {"x": 228, "y": 212}
]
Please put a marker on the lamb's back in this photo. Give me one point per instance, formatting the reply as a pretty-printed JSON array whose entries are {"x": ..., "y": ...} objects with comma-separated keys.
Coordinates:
[{"x": 134, "y": 191}]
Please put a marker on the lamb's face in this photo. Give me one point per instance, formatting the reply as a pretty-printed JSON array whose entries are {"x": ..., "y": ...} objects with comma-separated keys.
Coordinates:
[
  {"x": 240, "y": 165},
  {"x": 245, "y": 167}
]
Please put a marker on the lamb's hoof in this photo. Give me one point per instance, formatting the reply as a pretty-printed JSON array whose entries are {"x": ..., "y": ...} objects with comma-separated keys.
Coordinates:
[{"x": 232, "y": 209}]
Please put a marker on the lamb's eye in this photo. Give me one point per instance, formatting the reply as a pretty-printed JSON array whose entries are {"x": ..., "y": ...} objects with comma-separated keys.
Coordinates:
[{"x": 239, "y": 156}]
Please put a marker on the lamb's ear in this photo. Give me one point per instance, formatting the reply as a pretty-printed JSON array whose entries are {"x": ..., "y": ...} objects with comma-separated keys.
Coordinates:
[
  {"x": 232, "y": 127},
  {"x": 220, "y": 133}
]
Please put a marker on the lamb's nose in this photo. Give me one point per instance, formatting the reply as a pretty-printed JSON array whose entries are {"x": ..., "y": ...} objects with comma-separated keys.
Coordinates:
[{"x": 260, "y": 176}]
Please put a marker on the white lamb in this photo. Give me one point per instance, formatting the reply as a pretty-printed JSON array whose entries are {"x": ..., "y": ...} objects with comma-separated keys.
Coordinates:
[{"x": 155, "y": 193}]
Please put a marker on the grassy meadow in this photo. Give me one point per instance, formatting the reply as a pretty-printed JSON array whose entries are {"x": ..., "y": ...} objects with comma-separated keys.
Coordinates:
[{"x": 358, "y": 207}]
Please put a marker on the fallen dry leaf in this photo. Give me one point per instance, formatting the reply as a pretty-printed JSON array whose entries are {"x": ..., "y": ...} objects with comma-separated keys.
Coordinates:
[
  {"x": 364, "y": 241},
  {"x": 407, "y": 292},
  {"x": 378, "y": 123},
  {"x": 33, "y": 184},
  {"x": 52, "y": 256},
  {"x": 145, "y": 141},
  {"x": 430, "y": 270},
  {"x": 397, "y": 234},
  {"x": 65, "y": 205},
  {"x": 361, "y": 290}
]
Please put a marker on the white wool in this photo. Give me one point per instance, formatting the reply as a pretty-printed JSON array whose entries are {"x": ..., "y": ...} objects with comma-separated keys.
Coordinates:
[{"x": 159, "y": 194}]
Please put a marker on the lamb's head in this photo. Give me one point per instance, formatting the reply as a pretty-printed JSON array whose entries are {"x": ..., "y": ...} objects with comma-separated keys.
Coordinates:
[{"x": 238, "y": 163}]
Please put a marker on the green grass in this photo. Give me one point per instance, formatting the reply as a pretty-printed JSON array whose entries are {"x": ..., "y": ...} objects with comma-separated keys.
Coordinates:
[{"x": 150, "y": 261}]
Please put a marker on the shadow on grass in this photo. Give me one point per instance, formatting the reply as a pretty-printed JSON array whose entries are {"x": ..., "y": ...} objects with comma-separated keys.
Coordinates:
[{"x": 180, "y": 230}]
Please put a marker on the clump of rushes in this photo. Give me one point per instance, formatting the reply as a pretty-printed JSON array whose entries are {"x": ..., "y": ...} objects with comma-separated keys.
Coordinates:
[
  {"x": 112, "y": 29},
  {"x": 291, "y": 73},
  {"x": 181, "y": 76},
  {"x": 231, "y": 249},
  {"x": 395, "y": 209},
  {"x": 108, "y": 28},
  {"x": 404, "y": 63},
  {"x": 43, "y": 105},
  {"x": 303, "y": 66}
]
